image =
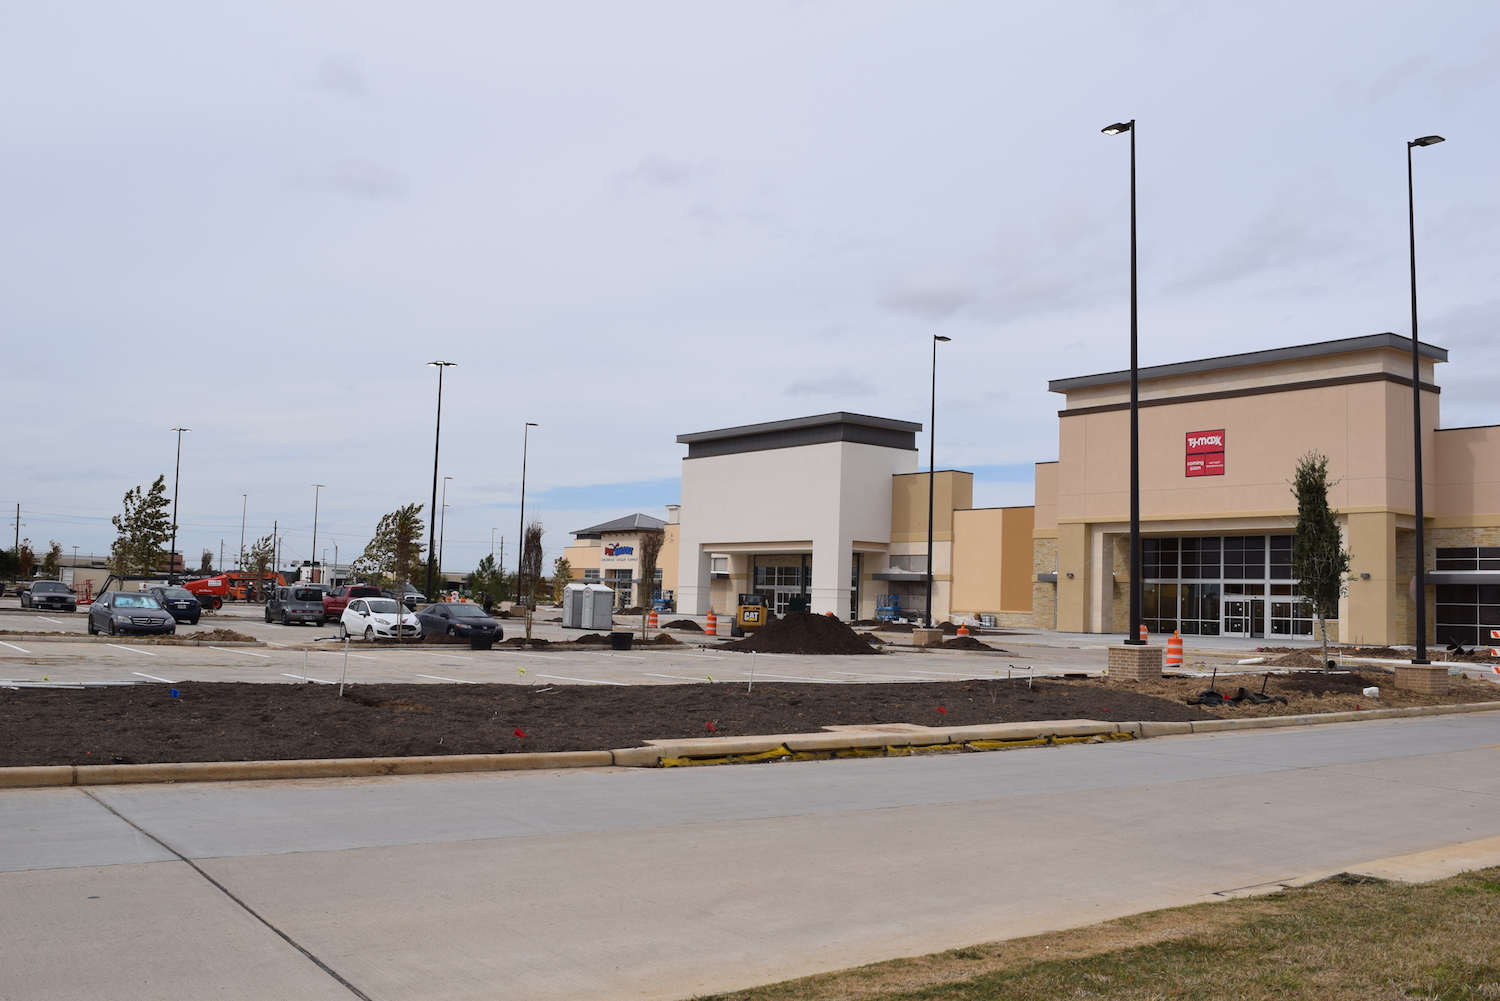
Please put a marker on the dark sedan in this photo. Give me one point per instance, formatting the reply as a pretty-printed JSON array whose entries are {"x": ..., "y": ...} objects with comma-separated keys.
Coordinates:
[
  {"x": 49, "y": 594},
  {"x": 461, "y": 620},
  {"x": 182, "y": 603},
  {"x": 117, "y": 612}
]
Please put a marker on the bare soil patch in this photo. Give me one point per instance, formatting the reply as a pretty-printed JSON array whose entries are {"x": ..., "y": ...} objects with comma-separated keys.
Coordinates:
[
  {"x": 805, "y": 633},
  {"x": 249, "y": 722},
  {"x": 1305, "y": 692},
  {"x": 686, "y": 625}
]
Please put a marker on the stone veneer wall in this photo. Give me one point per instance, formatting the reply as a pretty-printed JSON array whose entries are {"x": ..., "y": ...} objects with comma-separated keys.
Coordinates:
[
  {"x": 1043, "y": 594},
  {"x": 1119, "y": 617}
]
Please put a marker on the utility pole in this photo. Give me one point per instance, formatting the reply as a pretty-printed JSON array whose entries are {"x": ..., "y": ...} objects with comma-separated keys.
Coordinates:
[
  {"x": 244, "y": 510},
  {"x": 18, "y": 530}
]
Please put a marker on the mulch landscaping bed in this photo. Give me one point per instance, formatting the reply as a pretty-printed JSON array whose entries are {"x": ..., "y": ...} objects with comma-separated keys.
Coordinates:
[{"x": 217, "y": 721}]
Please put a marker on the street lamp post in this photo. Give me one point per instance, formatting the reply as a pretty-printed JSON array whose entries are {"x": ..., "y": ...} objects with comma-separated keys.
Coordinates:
[
  {"x": 244, "y": 510},
  {"x": 317, "y": 491},
  {"x": 176, "y": 479},
  {"x": 1136, "y": 588},
  {"x": 443, "y": 528},
  {"x": 931, "y": 472},
  {"x": 1416, "y": 409},
  {"x": 432, "y": 512},
  {"x": 521, "y": 545}
]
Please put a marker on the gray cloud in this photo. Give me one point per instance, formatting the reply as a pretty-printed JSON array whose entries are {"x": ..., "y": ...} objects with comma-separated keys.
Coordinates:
[
  {"x": 342, "y": 75},
  {"x": 932, "y": 297},
  {"x": 656, "y": 172},
  {"x": 836, "y": 384},
  {"x": 357, "y": 176}
]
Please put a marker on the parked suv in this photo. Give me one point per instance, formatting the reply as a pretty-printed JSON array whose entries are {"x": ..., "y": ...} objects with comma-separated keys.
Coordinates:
[
  {"x": 296, "y": 604},
  {"x": 335, "y": 601},
  {"x": 49, "y": 594}
]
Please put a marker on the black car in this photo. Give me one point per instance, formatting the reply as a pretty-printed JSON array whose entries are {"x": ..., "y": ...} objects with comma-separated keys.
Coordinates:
[
  {"x": 117, "y": 612},
  {"x": 49, "y": 594},
  {"x": 461, "y": 620},
  {"x": 182, "y": 603}
]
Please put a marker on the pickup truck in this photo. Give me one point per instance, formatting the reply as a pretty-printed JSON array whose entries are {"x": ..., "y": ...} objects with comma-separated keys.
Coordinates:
[{"x": 335, "y": 601}]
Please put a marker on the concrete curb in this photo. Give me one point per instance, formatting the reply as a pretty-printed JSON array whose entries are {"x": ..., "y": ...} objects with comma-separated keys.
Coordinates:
[
  {"x": 696, "y": 751},
  {"x": 86, "y": 638}
]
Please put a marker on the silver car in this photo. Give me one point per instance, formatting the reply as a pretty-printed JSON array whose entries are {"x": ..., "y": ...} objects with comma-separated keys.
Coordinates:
[{"x": 117, "y": 612}]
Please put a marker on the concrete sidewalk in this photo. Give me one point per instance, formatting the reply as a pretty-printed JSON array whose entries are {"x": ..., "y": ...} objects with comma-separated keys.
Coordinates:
[{"x": 666, "y": 883}]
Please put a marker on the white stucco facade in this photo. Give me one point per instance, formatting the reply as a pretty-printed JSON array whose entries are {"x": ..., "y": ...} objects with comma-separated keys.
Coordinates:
[{"x": 829, "y": 498}]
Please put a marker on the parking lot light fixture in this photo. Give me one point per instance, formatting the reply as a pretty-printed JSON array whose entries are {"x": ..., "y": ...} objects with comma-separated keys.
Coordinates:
[
  {"x": 316, "y": 576},
  {"x": 521, "y": 544},
  {"x": 437, "y": 441},
  {"x": 176, "y": 479},
  {"x": 1420, "y": 541},
  {"x": 931, "y": 472}
]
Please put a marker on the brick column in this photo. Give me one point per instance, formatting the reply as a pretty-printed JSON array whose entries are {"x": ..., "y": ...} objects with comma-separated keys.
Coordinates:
[
  {"x": 927, "y": 637},
  {"x": 1429, "y": 679},
  {"x": 1134, "y": 663}
]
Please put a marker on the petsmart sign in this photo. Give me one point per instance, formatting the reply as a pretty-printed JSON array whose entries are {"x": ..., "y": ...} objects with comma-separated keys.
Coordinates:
[{"x": 1205, "y": 453}]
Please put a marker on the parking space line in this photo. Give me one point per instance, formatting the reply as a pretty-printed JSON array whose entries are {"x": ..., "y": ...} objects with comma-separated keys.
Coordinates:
[
  {"x": 952, "y": 674},
  {"x": 53, "y": 621},
  {"x": 144, "y": 653},
  {"x": 152, "y": 677},
  {"x": 340, "y": 653},
  {"x": 456, "y": 681},
  {"x": 601, "y": 653},
  {"x": 586, "y": 681},
  {"x": 793, "y": 677},
  {"x": 535, "y": 656},
  {"x": 675, "y": 677},
  {"x": 243, "y": 653},
  {"x": 450, "y": 656},
  {"x": 13, "y": 646},
  {"x": 894, "y": 677},
  {"x": 308, "y": 678},
  {"x": 708, "y": 656},
  {"x": 270, "y": 643}
]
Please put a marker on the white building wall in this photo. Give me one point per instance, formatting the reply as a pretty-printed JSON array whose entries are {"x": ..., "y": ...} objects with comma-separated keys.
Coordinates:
[{"x": 831, "y": 494}]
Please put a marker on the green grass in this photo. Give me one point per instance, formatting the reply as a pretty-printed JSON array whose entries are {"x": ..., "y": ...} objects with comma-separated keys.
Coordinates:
[{"x": 1343, "y": 939}]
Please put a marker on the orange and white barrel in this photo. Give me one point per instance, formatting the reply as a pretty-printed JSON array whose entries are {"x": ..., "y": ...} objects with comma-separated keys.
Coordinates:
[
  {"x": 711, "y": 628},
  {"x": 1174, "y": 650},
  {"x": 651, "y": 620}
]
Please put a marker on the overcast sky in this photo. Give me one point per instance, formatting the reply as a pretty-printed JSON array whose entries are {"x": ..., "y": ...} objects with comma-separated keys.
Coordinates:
[{"x": 627, "y": 221}]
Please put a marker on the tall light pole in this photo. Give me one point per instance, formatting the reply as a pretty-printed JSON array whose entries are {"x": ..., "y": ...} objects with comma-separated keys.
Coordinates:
[
  {"x": 1416, "y": 409},
  {"x": 176, "y": 478},
  {"x": 1137, "y": 589},
  {"x": 931, "y": 472},
  {"x": 317, "y": 491},
  {"x": 244, "y": 510},
  {"x": 492, "y": 543},
  {"x": 443, "y": 530},
  {"x": 521, "y": 545},
  {"x": 432, "y": 511}
]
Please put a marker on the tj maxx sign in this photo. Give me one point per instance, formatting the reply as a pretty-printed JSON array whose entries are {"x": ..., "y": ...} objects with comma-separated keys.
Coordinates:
[{"x": 1205, "y": 453}]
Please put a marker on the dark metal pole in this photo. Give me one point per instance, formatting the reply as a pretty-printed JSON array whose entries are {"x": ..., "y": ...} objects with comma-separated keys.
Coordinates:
[
  {"x": 316, "y": 576},
  {"x": 931, "y": 474},
  {"x": 521, "y": 546},
  {"x": 176, "y": 478},
  {"x": 1420, "y": 597},
  {"x": 432, "y": 514},
  {"x": 1137, "y": 589}
]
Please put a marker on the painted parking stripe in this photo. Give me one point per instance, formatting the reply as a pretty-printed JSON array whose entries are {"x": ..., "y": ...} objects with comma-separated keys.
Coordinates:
[
  {"x": 53, "y": 621},
  {"x": 952, "y": 674},
  {"x": 793, "y": 677},
  {"x": 244, "y": 653},
  {"x": 449, "y": 656},
  {"x": 13, "y": 646},
  {"x": 308, "y": 678},
  {"x": 705, "y": 656},
  {"x": 269, "y": 643},
  {"x": 146, "y": 653},
  {"x": 340, "y": 653},
  {"x": 585, "y": 681},
  {"x": 602, "y": 653},
  {"x": 892, "y": 677},
  {"x": 456, "y": 681},
  {"x": 153, "y": 677},
  {"x": 535, "y": 656},
  {"x": 675, "y": 677}
]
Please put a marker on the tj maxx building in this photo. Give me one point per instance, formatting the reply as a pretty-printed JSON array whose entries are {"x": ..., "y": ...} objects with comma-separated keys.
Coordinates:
[{"x": 833, "y": 507}]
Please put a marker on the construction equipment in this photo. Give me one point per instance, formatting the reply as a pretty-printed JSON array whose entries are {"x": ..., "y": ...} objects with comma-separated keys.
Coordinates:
[{"x": 751, "y": 613}]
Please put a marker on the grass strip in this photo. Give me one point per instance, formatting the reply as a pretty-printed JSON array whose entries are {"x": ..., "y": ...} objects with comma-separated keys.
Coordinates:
[{"x": 1345, "y": 938}]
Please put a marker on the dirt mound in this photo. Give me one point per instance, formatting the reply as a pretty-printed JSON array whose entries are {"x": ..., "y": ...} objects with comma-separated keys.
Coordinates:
[
  {"x": 205, "y": 636},
  {"x": 665, "y": 639},
  {"x": 686, "y": 625},
  {"x": 803, "y": 632},
  {"x": 1302, "y": 658},
  {"x": 969, "y": 643},
  {"x": 522, "y": 641},
  {"x": 592, "y": 638}
]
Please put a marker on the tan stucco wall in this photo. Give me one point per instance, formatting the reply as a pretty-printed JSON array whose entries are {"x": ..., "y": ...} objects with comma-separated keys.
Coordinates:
[
  {"x": 992, "y": 558},
  {"x": 1468, "y": 475},
  {"x": 951, "y": 489}
]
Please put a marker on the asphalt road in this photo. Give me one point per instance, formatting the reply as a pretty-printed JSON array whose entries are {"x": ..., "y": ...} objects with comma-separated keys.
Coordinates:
[{"x": 624, "y": 883}]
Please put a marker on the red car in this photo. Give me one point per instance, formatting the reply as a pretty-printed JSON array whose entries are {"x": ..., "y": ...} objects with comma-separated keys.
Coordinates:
[{"x": 335, "y": 601}]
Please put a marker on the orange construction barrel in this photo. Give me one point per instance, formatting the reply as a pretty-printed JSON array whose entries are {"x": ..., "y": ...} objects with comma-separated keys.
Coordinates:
[{"x": 1174, "y": 650}]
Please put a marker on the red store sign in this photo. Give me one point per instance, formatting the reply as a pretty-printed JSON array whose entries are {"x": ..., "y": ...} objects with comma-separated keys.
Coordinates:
[{"x": 1205, "y": 453}]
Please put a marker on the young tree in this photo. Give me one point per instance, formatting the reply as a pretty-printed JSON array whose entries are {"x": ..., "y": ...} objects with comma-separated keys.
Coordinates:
[
  {"x": 143, "y": 530},
  {"x": 530, "y": 574},
  {"x": 52, "y": 562},
  {"x": 26, "y": 559},
  {"x": 394, "y": 555},
  {"x": 206, "y": 562},
  {"x": 650, "y": 552},
  {"x": 489, "y": 579},
  {"x": 258, "y": 561},
  {"x": 1319, "y": 560},
  {"x": 562, "y": 576}
]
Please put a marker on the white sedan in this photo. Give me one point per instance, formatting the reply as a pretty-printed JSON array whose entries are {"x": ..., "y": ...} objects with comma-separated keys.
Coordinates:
[{"x": 373, "y": 618}]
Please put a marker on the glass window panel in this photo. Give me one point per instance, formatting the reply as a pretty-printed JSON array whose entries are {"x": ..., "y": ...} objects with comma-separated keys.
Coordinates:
[
  {"x": 1489, "y": 615},
  {"x": 1467, "y": 635},
  {"x": 1487, "y": 594},
  {"x": 1466, "y": 615},
  {"x": 1455, "y": 593}
]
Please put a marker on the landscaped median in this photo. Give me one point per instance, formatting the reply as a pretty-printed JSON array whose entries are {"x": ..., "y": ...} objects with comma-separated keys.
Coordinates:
[{"x": 888, "y": 740}]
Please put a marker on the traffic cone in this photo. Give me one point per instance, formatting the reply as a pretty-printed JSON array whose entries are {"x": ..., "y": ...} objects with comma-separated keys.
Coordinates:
[
  {"x": 1174, "y": 650},
  {"x": 712, "y": 626},
  {"x": 1144, "y": 636},
  {"x": 963, "y": 629},
  {"x": 651, "y": 620}
]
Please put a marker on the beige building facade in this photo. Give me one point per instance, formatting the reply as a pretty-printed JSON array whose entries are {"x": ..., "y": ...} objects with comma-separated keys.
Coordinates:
[{"x": 1220, "y": 440}]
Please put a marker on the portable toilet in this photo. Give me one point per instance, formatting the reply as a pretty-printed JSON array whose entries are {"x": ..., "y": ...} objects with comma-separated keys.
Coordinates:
[
  {"x": 573, "y": 599},
  {"x": 598, "y": 607}
]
